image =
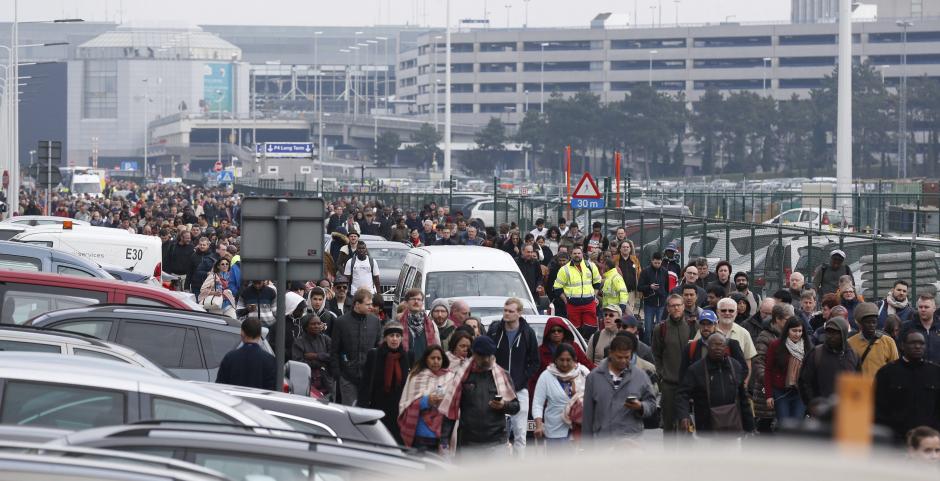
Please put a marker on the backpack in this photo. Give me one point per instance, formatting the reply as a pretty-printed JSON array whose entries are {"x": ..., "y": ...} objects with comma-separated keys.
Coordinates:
[
  {"x": 662, "y": 330},
  {"x": 822, "y": 275}
]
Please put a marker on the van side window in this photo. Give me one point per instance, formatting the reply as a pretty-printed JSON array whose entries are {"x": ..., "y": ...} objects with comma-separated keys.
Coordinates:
[
  {"x": 9, "y": 345},
  {"x": 417, "y": 280},
  {"x": 99, "y": 329},
  {"x": 21, "y": 306},
  {"x": 20, "y": 263},
  {"x": 60, "y": 406},
  {"x": 71, "y": 271}
]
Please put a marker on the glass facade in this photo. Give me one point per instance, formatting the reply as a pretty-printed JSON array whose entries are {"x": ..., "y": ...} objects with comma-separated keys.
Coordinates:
[{"x": 99, "y": 99}]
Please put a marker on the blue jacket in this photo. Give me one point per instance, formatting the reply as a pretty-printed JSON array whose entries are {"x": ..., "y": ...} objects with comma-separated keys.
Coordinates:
[
  {"x": 248, "y": 366},
  {"x": 519, "y": 358},
  {"x": 904, "y": 314}
]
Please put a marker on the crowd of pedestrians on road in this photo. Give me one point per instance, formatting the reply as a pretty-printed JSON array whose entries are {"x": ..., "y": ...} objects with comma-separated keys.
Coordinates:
[{"x": 685, "y": 346}]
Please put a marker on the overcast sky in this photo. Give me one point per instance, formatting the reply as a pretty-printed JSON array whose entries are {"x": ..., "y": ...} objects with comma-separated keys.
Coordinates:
[{"x": 542, "y": 13}]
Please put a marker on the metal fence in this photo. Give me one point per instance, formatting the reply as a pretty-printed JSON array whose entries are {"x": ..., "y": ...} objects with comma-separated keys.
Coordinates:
[{"x": 768, "y": 253}]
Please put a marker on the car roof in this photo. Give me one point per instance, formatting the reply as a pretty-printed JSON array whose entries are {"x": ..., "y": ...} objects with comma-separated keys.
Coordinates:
[
  {"x": 484, "y": 301},
  {"x": 28, "y": 333},
  {"x": 235, "y": 438},
  {"x": 36, "y": 362},
  {"x": 24, "y": 249},
  {"x": 58, "y": 280},
  {"x": 385, "y": 244},
  {"x": 465, "y": 258},
  {"x": 21, "y": 218},
  {"x": 124, "y": 311}
]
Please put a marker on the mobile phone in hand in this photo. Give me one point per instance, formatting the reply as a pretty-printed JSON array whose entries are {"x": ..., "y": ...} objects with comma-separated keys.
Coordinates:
[
  {"x": 497, "y": 398},
  {"x": 631, "y": 400}
]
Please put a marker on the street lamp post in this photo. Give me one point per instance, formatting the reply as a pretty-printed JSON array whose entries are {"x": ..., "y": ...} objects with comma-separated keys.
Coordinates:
[
  {"x": 902, "y": 100},
  {"x": 652, "y": 52},
  {"x": 542, "y": 77},
  {"x": 764, "y": 75},
  {"x": 508, "y": 7},
  {"x": 525, "y": 23},
  {"x": 218, "y": 93},
  {"x": 677, "y": 2},
  {"x": 318, "y": 94},
  {"x": 385, "y": 89},
  {"x": 447, "y": 98},
  {"x": 147, "y": 127}
]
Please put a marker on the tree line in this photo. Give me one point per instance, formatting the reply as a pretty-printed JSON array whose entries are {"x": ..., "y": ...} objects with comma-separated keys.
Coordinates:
[{"x": 740, "y": 132}]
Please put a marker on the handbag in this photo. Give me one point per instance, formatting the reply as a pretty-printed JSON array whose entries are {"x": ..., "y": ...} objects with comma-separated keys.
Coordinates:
[
  {"x": 212, "y": 303},
  {"x": 727, "y": 417}
]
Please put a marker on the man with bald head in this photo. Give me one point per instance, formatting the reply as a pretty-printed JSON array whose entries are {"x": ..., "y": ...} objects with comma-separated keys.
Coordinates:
[
  {"x": 690, "y": 277},
  {"x": 459, "y": 312}
]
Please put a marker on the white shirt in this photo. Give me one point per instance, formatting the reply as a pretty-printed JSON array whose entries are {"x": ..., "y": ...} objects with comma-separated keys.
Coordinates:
[
  {"x": 362, "y": 277},
  {"x": 536, "y": 232}
]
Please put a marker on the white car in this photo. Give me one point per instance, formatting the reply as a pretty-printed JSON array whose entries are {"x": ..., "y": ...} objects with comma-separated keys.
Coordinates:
[
  {"x": 488, "y": 306},
  {"x": 34, "y": 220},
  {"x": 537, "y": 323},
  {"x": 812, "y": 218}
]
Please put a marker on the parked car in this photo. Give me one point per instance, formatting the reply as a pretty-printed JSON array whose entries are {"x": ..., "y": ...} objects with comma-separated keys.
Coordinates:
[
  {"x": 483, "y": 306},
  {"x": 28, "y": 339},
  {"x": 18, "y": 256},
  {"x": 69, "y": 394},
  {"x": 189, "y": 344},
  {"x": 23, "y": 461},
  {"x": 246, "y": 455},
  {"x": 25, "y": 295},
  {"x": 316, "y": 416},
  {"x": 537, "y": 323},
  {"x": 812, "y": 218},
  {"x": 36, "y": 220},
  {"x": 389, "y": 256}
]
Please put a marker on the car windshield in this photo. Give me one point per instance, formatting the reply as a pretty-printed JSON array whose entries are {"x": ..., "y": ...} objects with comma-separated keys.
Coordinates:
[
  {"x": 496, "y": 311},
  {"x": 475, "y": 283},
  {"x": 86, "y": 188},
  {"x": 389, "y": 260}
]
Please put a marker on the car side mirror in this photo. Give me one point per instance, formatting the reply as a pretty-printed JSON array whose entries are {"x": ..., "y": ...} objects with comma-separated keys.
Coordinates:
[{"x": 298, "y": 378}]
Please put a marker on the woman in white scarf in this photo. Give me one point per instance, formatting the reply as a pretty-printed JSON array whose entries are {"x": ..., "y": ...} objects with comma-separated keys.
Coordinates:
[
  {"x": 782, "y": 370},
  {"x": 558, "y": 392}
]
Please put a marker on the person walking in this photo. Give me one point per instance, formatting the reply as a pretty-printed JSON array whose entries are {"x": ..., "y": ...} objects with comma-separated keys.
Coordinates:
[
  {"x": 531, "y": 270},
  {"x": 216, "y": 293},
  {"x": 822, "y": 366},
  {"x": 419, "y": 421},
  {"x": 927, "y": 322},
  {"x": 557, "y": 392},
  {"x": 873, "y": 348},
  {"x": 826, "y": 276},
  {"x": 715, "y": 388},
  {"x": 479, "y": 398},
  {"x": 771, "y": 331},
  {"x": 384, "y": 374},
  {"x": 670, "y": 339},
  {"x": 249, "y": 365},
  {"x": 617, "y": 395},
  {"x": 420, "y": 330},
  {"x": 600, "y": 341},
  {"x": 628, "y": 265},
  {"x": 782, "y": 365},
  {"x": 362, "y": 270},
  {"x": 906, "y": 394},
  {"x": 897, "y": 303},
  {"x": 614, "y": 289},
  {"x": 517, "y": 352},
  {"x": 653, "y": 285},
  {"x": 576, "y": 284},
  {"x": 354, "y": 334}
]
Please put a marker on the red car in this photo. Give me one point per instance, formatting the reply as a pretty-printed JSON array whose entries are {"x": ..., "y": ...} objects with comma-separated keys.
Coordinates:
[{"x": 24, "y": 295}]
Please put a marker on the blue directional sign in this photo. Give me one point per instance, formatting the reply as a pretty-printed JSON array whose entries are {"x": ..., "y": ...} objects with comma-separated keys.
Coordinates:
[
  {"x": 288, "y": 149},
  {"x": 226, "y": 176},
  {"x": 587, "y": 203}
]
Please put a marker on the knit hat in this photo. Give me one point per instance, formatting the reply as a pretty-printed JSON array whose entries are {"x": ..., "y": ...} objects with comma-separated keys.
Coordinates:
[
  {"x": 392, "y": 327},
  {"x": 440, "y": 303},
  {"x": 484, "y": 346}
]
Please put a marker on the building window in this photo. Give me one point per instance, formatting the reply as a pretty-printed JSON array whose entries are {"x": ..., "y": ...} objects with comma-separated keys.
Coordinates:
[
  {"x": 714, "y": 42},
  {"x": 558, "y": 86},
  {"x": 459, "y": 68},
  {"x": 807, "y": 61},
  {"x": 497, "y": 88},
  {"x": 407, "y": 64},
  {"x": 461, "y": 108},
  {"x": 461, "y": 88},
  {"x": 728, "y": 62},
  {"x": 647, "y": 43},
  {"x": 497, "y": 108},
  {"x": 801, "y": 83},
  {"x": 728, "y": 84},
  {"x": 672, "y": 85},
  {"x": 100, "y": 95},
  {"x": 558, "y": 66},
  {"x": 460, "y": 47},
  {"x": 807, "y": 40},
  {"x": 498, "y": 47},
  {"x": 498, "y": 67},
  {"x": 557, "y": 46},
  {"x": 645, "y": 64}
]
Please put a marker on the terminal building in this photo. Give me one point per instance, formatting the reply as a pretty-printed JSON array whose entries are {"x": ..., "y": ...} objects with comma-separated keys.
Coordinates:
[{"x": 504, "y": 72}]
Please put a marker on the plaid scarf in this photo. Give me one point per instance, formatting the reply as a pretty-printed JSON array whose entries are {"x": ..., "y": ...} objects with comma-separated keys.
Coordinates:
[
  {"x": 418, "y": 323},
  {"x": 450, "y": 406},
  {"x": 420, "y": 384}
]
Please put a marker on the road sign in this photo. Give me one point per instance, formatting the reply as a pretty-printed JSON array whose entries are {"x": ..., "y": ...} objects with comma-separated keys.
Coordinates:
[
  {"x": 49, "y": 151},
  {"x": 586, "y": 189},
  {"x": 288, "y": 149},
  {"x": 259, "y": 238},
  {"x": 226, "y": 176},
  {"x": 217, "y": 167},
  {"x": 45, "y": 175},
  {"x": 588, "y": 203}
]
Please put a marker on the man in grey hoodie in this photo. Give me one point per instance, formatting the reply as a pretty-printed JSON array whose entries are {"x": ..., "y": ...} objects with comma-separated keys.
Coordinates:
[{"x": 617, "y": 396}]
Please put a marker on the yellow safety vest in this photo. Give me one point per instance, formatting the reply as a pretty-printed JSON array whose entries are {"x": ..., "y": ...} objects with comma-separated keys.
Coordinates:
[
  {"x": 578, "y": 283},
  {"x": 615, "y": 289}
]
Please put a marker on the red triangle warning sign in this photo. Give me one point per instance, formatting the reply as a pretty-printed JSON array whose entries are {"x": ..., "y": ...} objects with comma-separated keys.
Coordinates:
[{"x": 587, "y": 188}]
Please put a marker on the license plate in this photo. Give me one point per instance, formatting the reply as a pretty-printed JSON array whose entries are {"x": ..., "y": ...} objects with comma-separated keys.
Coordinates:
[{"x": 531, "y": 426}]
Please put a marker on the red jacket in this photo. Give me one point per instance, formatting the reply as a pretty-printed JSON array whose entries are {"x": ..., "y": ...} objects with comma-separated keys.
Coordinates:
[{"x": 775, "y": 377}]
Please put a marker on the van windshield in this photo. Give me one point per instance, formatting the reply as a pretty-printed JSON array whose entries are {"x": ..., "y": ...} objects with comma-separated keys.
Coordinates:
[
  {"x": 86, "y": 188},
  {"x": 475, "y": 283}
]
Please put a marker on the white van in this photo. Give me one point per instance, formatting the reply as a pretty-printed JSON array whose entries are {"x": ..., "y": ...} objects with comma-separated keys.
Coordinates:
[
  {"x": 461, "y": 271},
  {"x": 103, "y": 245}
]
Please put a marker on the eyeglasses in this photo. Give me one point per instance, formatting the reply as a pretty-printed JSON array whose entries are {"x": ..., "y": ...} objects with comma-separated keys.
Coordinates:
[
  {"x": 727, "y": 310},
  {"x": 557, "y": 331},
  {"x": 419, "y": 299},
  {"x": 675, "y": 306},
  {"x": 342, "y": 288},
  {"x": 610, "y": 314}
]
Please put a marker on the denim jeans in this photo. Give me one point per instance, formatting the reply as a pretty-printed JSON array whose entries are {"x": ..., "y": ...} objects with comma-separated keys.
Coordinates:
[
  {"x": 651, "y": 315},
  {"x": 788, "y": 405}
]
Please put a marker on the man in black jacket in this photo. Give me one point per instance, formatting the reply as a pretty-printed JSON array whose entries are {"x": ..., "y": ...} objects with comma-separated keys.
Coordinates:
[
  {"x": 906, "y": 394},
  {"x": 653, "y": 284},
  {"x": 517, "y": 351},
  {"x": 531, "y": 270},
  {"x": 822, "y": 365},
  {"x": 249, "y": 365},
  {"x": 179, "y": 255},
  {"x": 715, "y": 381},
  {"x": 195, "y": 258},
  {"x": 353, "y": 335}
]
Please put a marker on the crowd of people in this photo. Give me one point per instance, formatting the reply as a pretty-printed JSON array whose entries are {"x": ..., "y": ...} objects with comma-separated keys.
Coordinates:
[{"x": 688, "y": 347}]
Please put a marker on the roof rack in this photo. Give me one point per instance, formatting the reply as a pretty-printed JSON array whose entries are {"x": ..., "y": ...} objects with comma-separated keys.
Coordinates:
[{"x": 50, "y": 330}]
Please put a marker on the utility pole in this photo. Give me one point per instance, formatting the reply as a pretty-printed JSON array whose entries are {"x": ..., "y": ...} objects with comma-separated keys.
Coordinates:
[
  {"x": 447, "y": 119},
  {"x": 147, "y": 128},
  {"x": 902, "y": 100},
  {"x": 844, "y": 117}
]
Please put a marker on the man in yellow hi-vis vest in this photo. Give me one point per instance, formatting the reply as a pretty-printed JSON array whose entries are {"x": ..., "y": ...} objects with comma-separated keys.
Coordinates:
[{"x": 577, "y": 285}]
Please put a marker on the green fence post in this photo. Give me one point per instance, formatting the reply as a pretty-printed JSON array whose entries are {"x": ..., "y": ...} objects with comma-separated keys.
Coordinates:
[
  {"x": 874, "y": 266},
  {"x": 661, "y": 230},
  {"x": 913, "y": 270},
  {"x": 495, "y": 203},
  {"x": 704, "y": 238},
  {"x": 752, "y": 255},
  {"x": 780, "y": 275},
  {"x": 642, "y": 232},
  {"x": 728, "y": 242},
  {"x": 682, "y": 238}
]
